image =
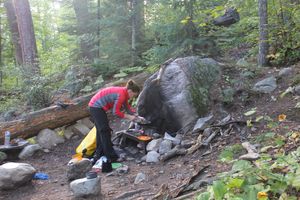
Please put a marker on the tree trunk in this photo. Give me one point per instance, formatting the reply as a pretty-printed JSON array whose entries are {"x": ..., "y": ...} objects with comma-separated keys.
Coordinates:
[
  {"x": 12, "y": 21},
  {"x": 263, "y": 33},
  {"x": 98, "y": 28},
  {"x": 137, "y": 29},
  {"x": 134, "y": 32},
  {"x": 87, "y": 48},
  {"x": 27, "y": 38}
]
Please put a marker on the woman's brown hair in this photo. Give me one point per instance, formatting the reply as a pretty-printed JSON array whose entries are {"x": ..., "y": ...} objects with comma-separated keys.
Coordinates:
[{"x": 133, "y": 86}]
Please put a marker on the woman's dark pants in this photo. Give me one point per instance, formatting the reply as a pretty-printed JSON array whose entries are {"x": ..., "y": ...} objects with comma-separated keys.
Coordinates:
[{"x": 103, "y": 137}]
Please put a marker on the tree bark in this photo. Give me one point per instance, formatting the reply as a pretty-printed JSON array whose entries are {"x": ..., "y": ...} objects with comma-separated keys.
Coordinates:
[
  {"x": 137, "y": 28},
  {"x": 263, "y": 32},
  {"x": 51, "y": 117},
  {"x": 13, "y": 25},
  {"x": 27, "y": 38}
]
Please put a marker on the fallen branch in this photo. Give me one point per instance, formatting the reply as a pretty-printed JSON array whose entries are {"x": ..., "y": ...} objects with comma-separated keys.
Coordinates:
[
  {"x": 126, "y": 195},
  {"x": 196, "y": 146},
  {"x": 174, "y": 193},
  {"x": 174, "y": 152},
  {"x": 162, "y": 69},
  {"x": 230, "y": 122},
  {"x": 163, "y": 193},
  {"x": 190, "y": 195}
]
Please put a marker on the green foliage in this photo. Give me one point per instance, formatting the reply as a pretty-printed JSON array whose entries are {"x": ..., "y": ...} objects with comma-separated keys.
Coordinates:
[
  {"x": 37, "y": 92},
  {"x": 203, "y": 78},
  {"x": 125, "y": 71},
  {"x": 229, "y": 152},
  {"x": 248, "y": 182}
]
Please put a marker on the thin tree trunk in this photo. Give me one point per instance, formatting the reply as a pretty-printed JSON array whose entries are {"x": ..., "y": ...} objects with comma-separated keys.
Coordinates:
[
  {"x": 87, "y": 47},
  {"x": 133, "y": 32},
  {"x": 98, "y": 28},
  {"x": 27, "y": 38},
  {"x": 137, "y": 29},
  {"x": 13, "y": 25},
  {"x": 263, "y": 33}
]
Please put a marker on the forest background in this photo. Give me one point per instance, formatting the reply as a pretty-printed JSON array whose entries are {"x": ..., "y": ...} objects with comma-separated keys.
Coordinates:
[{"x": 41, "y": 41}]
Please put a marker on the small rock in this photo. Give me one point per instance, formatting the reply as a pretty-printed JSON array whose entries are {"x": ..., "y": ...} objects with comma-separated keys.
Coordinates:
[
  {"x": 250, "y": 156},
  {"x": 156, "y": 135},
  {"x": 80, "y": 129},
  {"x": 140, "y": 177},
  {"x": 174, "y": 140},
  {"x": 86, "y": 187},
  {"x": 29, "y": 150},
  {"x": 78, "y": 169},
  {"x": 152, "y": 156},
  {"x": 87, "y": 122},
  {"x": 153, "y": 145},
  {"x": 202, "y": 123},
  {"x": 285, "y": 72},
  {"x": 68, "y": 133},
  {"x": 267, "y": 85},
  {"x": 165, "y": 146},
  {"x": 48, "y": 139},
  {"x": 297, "y": 90}
]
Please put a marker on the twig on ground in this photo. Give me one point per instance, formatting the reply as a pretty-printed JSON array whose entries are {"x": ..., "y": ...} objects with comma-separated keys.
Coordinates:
[
  {"x": 130, "y": 193},
  {"x": 189, "y": 195}
]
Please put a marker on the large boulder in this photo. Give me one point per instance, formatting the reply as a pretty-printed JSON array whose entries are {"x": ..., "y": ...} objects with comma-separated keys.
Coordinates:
[
  {"x": 13, "y": 174},
  {"x": 180, "y": 96}
]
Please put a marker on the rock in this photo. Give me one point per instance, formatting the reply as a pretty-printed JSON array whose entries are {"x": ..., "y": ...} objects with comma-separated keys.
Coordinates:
[
  {"x": 152, "y": 156},
  {"x": 171, "y": 106},
  {"x": 250, "y": 156},
  {"x": 68, "y": 132},
  {"x": 140, "y": 177},
  {"x": 174, "y": 140},
  {"x": 86, "y": 187},
  {"x": 153, "y": 145},
  {"x": 3, "y": 156},
  {"x": 78, "y": 169},
  {"x": 14, "y": 174},
  {"x": 267, "y": 85},
  {"x": 297, "y": 90},
  {"x": 29, "y": 150},
  {"x": 165, "y": 146},
  {"x": 80, "y": 129},
  {"x": 87, "y": 122},
  {"x": 285, "y": 72},
  {"x": 49, "y": 139},
  {"x": 202, "y": 123}
]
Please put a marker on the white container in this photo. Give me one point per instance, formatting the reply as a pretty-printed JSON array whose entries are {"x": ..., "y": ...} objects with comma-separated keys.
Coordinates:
[{"x": 7, "y": 138}]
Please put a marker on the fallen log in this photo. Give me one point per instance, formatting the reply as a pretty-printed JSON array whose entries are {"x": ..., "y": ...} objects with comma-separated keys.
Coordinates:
[
  {"x": 57, "y": 115},
  {"x": 51, "y": 117}
]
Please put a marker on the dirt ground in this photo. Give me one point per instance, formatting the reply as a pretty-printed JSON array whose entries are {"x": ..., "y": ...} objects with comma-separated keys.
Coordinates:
[{"x": 173, "y": 172}]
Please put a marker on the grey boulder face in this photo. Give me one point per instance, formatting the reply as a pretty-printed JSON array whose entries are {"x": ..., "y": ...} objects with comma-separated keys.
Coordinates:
[
  {"x": 13, "y": 175},
  {"x": 181, "y": 95}
]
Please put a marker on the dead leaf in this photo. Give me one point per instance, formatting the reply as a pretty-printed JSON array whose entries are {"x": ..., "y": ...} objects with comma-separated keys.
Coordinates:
[{"x": 281, "y": 117}]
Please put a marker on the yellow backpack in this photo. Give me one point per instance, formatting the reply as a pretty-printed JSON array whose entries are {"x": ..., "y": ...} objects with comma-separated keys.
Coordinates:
[{"x": 88, "y": 145}]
